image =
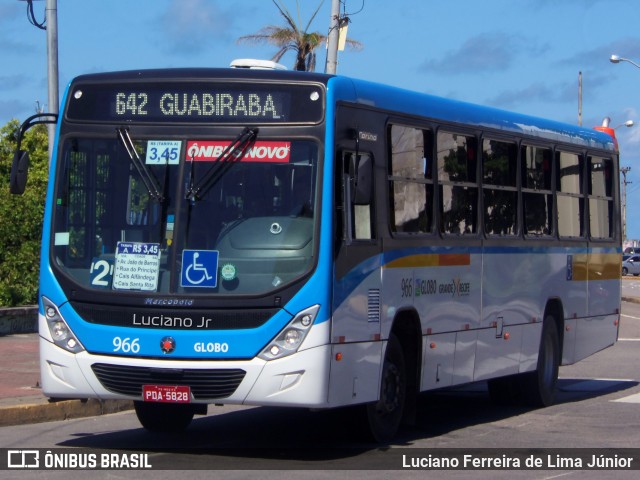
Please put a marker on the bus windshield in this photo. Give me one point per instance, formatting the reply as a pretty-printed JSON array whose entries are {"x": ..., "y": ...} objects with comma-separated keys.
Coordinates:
[{"x": 125, "y": 219}]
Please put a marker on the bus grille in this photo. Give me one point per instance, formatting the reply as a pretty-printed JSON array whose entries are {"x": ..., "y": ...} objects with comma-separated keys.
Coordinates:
[{"x": 204, "y": 383}]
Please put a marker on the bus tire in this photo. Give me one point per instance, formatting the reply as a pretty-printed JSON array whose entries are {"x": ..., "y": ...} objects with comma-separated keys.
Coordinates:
[
  {"x": 385, "y": 415},
  {"x": 539, "y": 387},
  {"x": 164, "y": 417}
]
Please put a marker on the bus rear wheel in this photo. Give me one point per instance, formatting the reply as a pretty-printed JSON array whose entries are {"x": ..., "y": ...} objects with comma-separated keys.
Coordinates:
[
  {"x": 164, "y": 417},
  {"x": 539, "y": 387},
  {"x": 384, "y": 416}
]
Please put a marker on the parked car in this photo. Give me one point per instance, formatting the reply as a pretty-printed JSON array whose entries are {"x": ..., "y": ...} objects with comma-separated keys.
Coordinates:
[{"x": 631, "y": 265}]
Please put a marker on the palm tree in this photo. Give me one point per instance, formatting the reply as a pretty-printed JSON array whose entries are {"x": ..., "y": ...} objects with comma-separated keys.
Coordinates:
[{"x": 292, "y": 38}]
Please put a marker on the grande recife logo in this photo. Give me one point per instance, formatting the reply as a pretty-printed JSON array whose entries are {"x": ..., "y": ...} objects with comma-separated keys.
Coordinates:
[{"x": 265, "y": 151}]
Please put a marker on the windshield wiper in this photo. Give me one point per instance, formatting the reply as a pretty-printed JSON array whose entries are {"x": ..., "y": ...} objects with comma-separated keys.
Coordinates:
[
  {"x": 231, "y": 154},
  {"x": 149, "y": 180}
]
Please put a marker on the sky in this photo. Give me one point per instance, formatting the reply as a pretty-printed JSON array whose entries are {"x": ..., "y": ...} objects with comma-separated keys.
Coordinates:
[{"x": 519, "y": 55}]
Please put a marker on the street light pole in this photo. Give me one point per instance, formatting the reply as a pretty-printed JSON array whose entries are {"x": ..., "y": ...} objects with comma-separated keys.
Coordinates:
[
  {"x": 579, "y": 99},
  {"x": 624, "y": 172},
  {"x": 618, "y": 59}
]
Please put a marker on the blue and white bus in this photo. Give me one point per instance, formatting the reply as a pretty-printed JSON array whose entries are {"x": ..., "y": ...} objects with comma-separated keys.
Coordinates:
[{"x": 256, "y": 237}]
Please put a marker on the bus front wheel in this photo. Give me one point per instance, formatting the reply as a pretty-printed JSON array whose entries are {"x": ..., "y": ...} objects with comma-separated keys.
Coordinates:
[
  {"x": 164, "y": 417},
  {"x": 385, "y": 415}
]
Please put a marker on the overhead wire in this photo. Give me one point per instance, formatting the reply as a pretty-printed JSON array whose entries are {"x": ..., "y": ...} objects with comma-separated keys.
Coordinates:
[
  {"x": 344, "y": 8},
  {"x": 344, "y": 18},
  {"x": 32, "y": 17}
]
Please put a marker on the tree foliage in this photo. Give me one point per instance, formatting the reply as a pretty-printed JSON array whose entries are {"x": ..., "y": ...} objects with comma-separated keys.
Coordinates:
[
  {"x": 21, "y": 216},
  {"x": 293, "y": 37}
]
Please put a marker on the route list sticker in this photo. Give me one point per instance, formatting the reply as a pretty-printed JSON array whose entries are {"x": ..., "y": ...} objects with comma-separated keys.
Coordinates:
[{"x": 137, "y": 266}]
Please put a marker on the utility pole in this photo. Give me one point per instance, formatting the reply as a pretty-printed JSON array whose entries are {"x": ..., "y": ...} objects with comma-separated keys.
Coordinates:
[
  {"x": 51, "y": 11},
  {"x": 624, "y": 171},
  {"x": 331, "y": 66},
  {"x": 50, "y": 24},
  {"x": 579, "y": 99}
]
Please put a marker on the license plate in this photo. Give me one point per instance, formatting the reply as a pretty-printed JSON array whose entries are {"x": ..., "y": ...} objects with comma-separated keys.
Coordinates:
[{"x": 166, "y": 393}]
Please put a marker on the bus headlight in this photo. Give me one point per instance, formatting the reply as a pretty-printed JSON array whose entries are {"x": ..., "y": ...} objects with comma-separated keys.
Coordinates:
[
  {"x": 62, "y": 335},
  {"x": 59, "y": 331},
  {"x": 291, "y": 337}
]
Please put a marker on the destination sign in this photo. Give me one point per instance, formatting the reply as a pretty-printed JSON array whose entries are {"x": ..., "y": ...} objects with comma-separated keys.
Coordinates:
[{"x": 189, "y": 102}]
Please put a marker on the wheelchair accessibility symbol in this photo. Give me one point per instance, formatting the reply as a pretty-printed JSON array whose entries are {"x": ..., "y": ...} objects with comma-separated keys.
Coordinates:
[{"x": 199, "y": 268}]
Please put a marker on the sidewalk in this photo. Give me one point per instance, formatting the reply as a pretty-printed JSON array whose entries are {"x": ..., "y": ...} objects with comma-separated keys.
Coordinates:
[{"x": 21, "y": 399}]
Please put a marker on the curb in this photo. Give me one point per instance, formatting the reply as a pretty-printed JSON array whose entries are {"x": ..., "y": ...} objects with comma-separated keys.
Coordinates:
[
  {"x": 631, "y": 299},
  {"x": 19, "y": 320},
  {"x": 46, "y": 410}
]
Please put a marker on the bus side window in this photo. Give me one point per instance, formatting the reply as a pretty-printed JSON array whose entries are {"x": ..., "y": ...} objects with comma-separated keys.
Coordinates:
[
  {"x": 359, "y": 189},
  {"x": 537, "y": 195},
  {"x": 570, "y": 195},
  {"x": 500, "y": 192},
  {"x": 458, "y": 185},
  {"x": 411, "y": 179},
  {"x": 601, "y": 197}
]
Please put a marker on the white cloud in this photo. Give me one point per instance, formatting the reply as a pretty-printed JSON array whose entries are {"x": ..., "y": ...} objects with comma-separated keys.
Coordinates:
[
  {"x": 485, "y": 52},
  {"x": 189, "y": 26}
]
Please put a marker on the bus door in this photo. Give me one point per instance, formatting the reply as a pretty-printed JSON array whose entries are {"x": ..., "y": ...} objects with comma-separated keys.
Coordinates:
[{"x": 356, "y": 324}]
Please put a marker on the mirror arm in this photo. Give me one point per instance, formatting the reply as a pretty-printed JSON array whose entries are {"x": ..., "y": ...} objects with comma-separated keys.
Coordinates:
[{"x": 37, "y": 119}]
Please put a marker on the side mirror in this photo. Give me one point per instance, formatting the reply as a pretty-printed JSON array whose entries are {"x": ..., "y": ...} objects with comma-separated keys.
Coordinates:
[
  {"x": 361, "y": 174},
  {"x": 19, "y": 172},
  {"x": 20, "y": 165}
]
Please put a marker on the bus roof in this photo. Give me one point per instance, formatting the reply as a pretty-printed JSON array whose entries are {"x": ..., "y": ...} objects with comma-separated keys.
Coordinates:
[
  {"x": 472, "y": 115},
  {"x": 195, "y": 74},
  {"x": 387, "y": 98}
]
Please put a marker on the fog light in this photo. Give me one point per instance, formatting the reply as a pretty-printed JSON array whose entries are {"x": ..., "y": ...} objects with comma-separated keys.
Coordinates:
[
  {"x": 71, "y": 343},
  {"x": 274, "y": 350}
]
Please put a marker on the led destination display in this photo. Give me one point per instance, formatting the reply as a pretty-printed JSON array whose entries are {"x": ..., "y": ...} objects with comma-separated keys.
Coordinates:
[{"x": 189, "y": 102}]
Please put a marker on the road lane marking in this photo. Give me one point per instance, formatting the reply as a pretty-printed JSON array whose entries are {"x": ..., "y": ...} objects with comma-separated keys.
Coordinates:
[
  {"x": 629, "y": 316},
  {"x": 592, "y": 384},
  {"x": 635, "y": 398},
  {"x": 560, "y": 475}
]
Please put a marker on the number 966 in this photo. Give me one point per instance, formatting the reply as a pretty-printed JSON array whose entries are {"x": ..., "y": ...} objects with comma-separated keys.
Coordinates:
[{"x": 126, "y": 345}]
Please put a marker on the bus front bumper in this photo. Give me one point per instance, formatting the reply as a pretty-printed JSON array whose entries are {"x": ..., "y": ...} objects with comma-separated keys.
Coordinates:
[{"x": 300, "y": 379}]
